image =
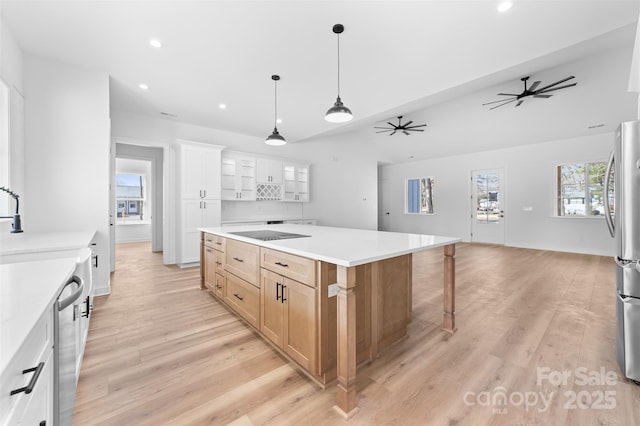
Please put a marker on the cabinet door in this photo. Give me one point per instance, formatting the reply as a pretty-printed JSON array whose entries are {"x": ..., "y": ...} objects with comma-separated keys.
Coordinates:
[
  {"x": 300, "y": 324},
  {"x": 269, "y": 171},
  {"x": 209, "y": 267},
  {"x": 212, "y": 178},
  {"x": 246, "y": 183},
  {"x": 229, "y": 177},
  {"x": 193, "y": 173},
  {"x": 191, "y": 221},
  {"x": 272, "y": 307},
  {"x": 211, "y": 210}
]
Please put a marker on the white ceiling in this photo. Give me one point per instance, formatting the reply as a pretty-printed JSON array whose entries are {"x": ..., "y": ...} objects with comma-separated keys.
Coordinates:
[{"x": 397, "y": 57}]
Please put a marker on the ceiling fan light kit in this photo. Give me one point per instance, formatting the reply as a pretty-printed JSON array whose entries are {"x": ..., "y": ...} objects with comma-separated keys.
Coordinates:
[
  {"x": 338, "y": 113},
  {"x": 275, "y": 138},
  {"x": 531, "y": 91},
  {"x": 404, "y": 128}
]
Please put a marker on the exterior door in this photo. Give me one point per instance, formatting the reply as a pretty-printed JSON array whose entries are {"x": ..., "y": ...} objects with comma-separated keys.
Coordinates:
[{"x": 487, "y": 206}]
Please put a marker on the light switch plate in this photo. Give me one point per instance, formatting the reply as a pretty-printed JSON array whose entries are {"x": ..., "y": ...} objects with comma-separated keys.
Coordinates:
[{"x": 333, "y": 290}]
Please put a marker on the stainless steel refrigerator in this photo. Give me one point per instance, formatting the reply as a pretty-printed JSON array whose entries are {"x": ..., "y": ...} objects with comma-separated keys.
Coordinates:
[{"x": 623, "y": 219}]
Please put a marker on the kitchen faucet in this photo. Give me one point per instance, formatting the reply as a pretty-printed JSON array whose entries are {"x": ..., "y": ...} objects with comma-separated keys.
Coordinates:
[{"x": 16, "y": 225}]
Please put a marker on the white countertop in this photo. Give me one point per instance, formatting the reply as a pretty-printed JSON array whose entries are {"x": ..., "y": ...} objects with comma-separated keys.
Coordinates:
[
  {"x": 27, "y": 289},
  {"x": 37, "y": 242},
  {"x": 340, "y": 246}
]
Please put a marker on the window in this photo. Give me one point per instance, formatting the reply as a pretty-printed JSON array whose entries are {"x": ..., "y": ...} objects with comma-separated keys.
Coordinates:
[
  {"x": 420, "y": 196},
  {"x": 580, "y": 189},
  {"x": 130, "y": 198}
]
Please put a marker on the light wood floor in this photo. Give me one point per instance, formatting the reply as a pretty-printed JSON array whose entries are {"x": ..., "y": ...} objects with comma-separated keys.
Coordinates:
[{"x": 163, "y": 352}]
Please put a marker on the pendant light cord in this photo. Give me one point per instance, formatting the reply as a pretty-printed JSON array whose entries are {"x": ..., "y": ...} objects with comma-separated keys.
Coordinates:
[
  {"x": 338, "y": 64},
  {"x": 275, "y": 103}
]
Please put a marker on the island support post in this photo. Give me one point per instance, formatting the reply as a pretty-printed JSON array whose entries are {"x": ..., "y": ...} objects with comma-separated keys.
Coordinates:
[
  {"x": 449, "y": 317},
  {"x": 346, "y": 403}
]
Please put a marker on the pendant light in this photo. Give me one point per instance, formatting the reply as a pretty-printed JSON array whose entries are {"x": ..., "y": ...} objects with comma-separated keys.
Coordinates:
[
  {"x": 275, "y": 138},
  {"x": 338, "y": 113}
]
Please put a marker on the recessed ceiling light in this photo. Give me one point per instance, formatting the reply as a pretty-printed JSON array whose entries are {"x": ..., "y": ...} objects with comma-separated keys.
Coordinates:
[
  {"x": 154, "y": 42},
  {"x": 143, "y": 86},
  {"x": 504, "y": 6},
  {"x": 222, "y": 106}
]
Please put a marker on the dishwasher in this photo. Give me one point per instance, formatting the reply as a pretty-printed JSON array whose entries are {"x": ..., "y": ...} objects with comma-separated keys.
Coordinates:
[{"x": 64, "y": 350}]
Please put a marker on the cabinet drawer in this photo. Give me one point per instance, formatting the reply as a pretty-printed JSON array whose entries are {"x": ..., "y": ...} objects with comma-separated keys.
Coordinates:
[
  {"x": 241, "y": 259},
  {"x": 297, "y": 268},
  {"x": 215, "y": 241},
  {"x": 243, "y": 298},
  {"x": 36, "y": 348}
]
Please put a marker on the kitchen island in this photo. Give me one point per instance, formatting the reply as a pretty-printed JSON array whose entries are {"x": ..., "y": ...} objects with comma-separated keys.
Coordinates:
[{"x": 347, "y": 292}]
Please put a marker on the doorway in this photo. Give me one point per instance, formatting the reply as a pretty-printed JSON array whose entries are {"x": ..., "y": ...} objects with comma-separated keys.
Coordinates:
[
  {"x": 154, "y": 157},
  {"x": 384, "y": 202},
  {"x": 487, "y": 206}
]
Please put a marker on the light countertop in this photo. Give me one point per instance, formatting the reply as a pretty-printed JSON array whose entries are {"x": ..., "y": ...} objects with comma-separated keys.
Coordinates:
[
  {"x": 27, "y": 289},
  {"x": 38, "y": 242},
  {"x": 340, "y": 246}
]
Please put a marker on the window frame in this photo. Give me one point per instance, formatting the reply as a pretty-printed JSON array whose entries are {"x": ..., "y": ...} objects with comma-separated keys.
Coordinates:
[
  {"x": 587, "y": 191},
  {"x": 420, "y": 211},
  {"x": 5, "y": 142}
]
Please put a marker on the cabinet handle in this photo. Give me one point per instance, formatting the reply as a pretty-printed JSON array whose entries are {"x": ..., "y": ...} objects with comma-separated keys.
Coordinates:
[
  {"x": 278, "y": 290},
  {"x": 238, "y": 296},
  {"x": 95, "y": 257},
  {"x": 239, "y": 260},
  {"x": 32, "y": 382},
  {"x": 282, "y": 299},
  {"x": 218, "y": 243},
  {"x": 218, "y": 286},
  {"x": 204, "y": 192},
  {"x": 208, "y": 250},
  {"x": 218, "y": 263},
  {"x": 87, "y": 307},
  {"x": 205, "y": 204},
  {"x": 284, "y": 265}
]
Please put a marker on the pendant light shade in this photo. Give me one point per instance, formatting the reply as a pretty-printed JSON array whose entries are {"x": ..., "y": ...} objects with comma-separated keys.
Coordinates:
[
  {"x": 275, "y": 138},
  {"x": 338, "y": 113}
]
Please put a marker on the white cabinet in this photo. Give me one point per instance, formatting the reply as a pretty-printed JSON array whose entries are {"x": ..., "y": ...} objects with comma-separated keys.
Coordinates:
[
  {"x": 16, "y": 406},
  {"x": 238, "y": 178},
  {"x": 296, "y": 182},
  {"x": 200, "y": 173},
  {"x": 269, "y": 171},
  {"x": 200, "y": 193}
]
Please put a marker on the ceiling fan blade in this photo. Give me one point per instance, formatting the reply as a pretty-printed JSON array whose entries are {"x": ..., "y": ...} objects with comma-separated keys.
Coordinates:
[
  {"x": 405, "y": 132},
  {"x": 555, "y": 84},
  {"x": 555, "y": 88},
  {"x": 508, "y": 94},
  {"x": 407, "y": 124},
  {"x": 392, "y": 125},
  {"x": 417, "y": 125},
  {"x": 394, "y": 132},
  {"x": 385, "y": 131},
  {"x": 495, "y": 102},
  {"x": 415, "y": 130},
  {"x": 534, "y": 85},
  {"x": 507, "y": 102},
  {"x": 519, "y": 102},
  {"x": 376, "y": 127},
  {"x": 542, "y": 96}
]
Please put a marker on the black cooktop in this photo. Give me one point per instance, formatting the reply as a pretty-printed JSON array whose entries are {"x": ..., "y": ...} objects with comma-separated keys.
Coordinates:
[{"x": 265, "y": 235}]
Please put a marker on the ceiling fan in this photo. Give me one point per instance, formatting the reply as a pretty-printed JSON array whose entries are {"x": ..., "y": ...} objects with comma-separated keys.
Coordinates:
[
  {"x": 531, "y": 91},
  {"x": 404, "y": 128}
]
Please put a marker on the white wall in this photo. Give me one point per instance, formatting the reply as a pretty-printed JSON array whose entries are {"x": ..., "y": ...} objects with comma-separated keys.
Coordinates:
[
  {"x": 11, "y": 69},
  {"x": 67, "y": 153},
  {"x": 529, "y": 181}
]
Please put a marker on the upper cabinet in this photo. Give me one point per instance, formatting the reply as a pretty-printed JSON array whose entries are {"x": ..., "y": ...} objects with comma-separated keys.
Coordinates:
[
  {"x": 246, "y": 177},
  {"x": 200, "y": 173},
  {"x": 238, "y": 178},
  {"x": 296, "y": 182},
  {"x": 269, "y": 171}
]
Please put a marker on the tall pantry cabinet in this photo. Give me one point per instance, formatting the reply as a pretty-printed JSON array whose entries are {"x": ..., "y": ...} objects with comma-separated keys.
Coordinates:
[{"x": 199, "y": 194}]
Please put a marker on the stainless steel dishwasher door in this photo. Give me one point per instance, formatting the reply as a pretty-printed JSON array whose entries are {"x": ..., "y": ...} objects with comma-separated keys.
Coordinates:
[{"x": 64, "y": 350}]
